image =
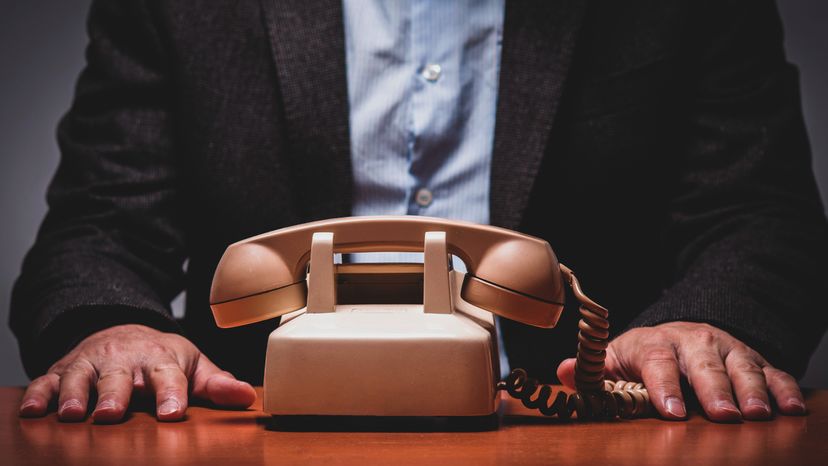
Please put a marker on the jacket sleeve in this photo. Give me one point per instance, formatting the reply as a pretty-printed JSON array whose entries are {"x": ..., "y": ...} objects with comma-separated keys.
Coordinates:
[
  {"x": 110, "y": 249},
  {"x": 746, "y": 225}
]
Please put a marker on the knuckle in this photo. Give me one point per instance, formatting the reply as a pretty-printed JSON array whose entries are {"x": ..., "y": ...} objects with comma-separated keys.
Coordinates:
[
  {"x": 81, "y": 366},
  {"x": 51, "y": 378},
  {"x": 61, "y": 364},
  {"x": 113, "y": 395},
  {"x": 165, "y": 369},
  {"x": 742, "y": 349},
  {"x": 39, "y": 385},
  {"x": 110, "y": 348},
  {"x": 746, "y": 366},
  {"x": 115, "y": 372},
  {"x": 710, "y": 366},
  {"x": 42, "y": 380},
  {"x": 779, "y": 376},
  {"x": 659, "y": 355},
  {"x": 664, "y": 386},
  {"x": 722, "y": 394},
  {"x": 704, "y": 335},
  {"x": 171, "y": 391}
]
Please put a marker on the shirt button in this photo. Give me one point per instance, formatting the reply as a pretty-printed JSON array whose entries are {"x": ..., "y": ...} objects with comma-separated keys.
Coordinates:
[
  {"x": 432, "y": 72},
  {"x": 423, "y": 197}
]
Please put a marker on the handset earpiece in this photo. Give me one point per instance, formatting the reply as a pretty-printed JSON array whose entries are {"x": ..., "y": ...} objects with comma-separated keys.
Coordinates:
[{"x": 519, "y": 280}]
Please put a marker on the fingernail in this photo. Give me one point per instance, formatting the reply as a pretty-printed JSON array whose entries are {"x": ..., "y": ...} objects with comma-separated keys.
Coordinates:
[
  {"x": 759, "y": 404},
  {"x": 69, "y": 404},
  {"x": 675, "y": 407},
  {"x": 169, "y": 406},
  {"x": 105, "y": 405},
  {"x": 27, "y": 404},
  {"x": 797, "y": 403},
  {"x": 725, "y": 405}
]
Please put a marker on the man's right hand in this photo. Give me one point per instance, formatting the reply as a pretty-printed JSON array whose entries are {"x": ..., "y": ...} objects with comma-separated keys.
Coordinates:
[{"x": 126, "y": 358}]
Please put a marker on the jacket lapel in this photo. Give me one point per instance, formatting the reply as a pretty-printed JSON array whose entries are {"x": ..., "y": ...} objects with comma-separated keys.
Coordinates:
[
  {"x": 308, "y": 43},
  {"x": 538, "y": 41}
]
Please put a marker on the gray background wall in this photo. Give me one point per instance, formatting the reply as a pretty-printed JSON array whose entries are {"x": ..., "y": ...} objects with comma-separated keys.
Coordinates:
[{"x": 41, "y": 53}]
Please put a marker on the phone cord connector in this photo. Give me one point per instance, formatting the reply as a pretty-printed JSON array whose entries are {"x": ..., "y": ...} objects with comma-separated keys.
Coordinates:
[{"x": 595, "y": 398}]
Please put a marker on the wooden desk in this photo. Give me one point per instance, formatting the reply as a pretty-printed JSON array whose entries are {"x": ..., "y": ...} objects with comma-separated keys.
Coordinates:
[{"x": 237, "y": 438}]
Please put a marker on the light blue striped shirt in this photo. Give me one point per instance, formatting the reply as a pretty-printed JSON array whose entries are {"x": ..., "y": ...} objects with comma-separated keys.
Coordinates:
[{"x": 422, "y": 89}]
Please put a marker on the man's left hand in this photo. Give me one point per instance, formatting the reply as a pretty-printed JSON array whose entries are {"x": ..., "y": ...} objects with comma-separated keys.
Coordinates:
[{"x": 731, "y": 380}]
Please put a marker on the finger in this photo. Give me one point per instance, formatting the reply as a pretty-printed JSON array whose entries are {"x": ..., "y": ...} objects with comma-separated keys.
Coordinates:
[
  {"x": 707, "y": 375},
  {"x": 566, "y": 373},
  {"x": 220, "y": 387},
  {"x": 613, "y": 369},
  {"x": 785, "y": 391},
  {"x": 660, "y": 374},
  {"x": 39, "y": 394},
  {"x": 114, "y": 390},
  {"x": 748, "y": 381},
  {"x": 169, "y": 384},
  {"x": 75, "y": 383}
]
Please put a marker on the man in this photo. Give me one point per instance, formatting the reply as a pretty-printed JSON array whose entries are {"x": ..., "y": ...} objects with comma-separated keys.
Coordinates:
[{"x": 657, "y": 145}]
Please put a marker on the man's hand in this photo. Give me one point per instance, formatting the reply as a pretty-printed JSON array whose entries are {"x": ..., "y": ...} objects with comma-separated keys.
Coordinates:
[
  {"x": 119, "y": 359},
  {"x": 716, "y": 365}
]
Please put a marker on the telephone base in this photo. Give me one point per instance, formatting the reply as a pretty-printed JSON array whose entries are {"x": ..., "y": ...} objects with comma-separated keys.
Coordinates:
[{"x": 382, "y": 360}]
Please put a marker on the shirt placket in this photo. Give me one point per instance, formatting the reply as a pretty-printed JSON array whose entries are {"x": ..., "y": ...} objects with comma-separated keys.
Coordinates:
[{"x": 426, "y": 73}]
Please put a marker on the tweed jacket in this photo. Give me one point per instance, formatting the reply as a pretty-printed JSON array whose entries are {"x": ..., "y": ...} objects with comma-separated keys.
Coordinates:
[{"x": 658, "y": 145}]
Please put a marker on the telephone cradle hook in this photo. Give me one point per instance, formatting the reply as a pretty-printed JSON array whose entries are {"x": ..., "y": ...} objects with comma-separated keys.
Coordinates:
[{"x": 595, "y": 398}]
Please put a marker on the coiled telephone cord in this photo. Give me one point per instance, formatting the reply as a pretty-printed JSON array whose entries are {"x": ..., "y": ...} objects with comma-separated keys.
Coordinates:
[{"x": 595, "y": 398}]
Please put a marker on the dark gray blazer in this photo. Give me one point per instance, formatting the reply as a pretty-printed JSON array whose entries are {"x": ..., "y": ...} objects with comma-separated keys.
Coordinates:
[{"x": 657, "y": 145}]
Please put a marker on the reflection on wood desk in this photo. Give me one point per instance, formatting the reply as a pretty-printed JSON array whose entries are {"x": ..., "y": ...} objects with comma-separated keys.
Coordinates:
[{"x": 248, "y": 437}]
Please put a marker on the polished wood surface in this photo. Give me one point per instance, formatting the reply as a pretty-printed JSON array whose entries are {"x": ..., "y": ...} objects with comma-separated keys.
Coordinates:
[{"x": 249, "y": 437}]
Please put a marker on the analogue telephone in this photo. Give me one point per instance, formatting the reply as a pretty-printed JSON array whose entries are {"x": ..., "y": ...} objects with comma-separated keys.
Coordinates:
[{"x": 408, "y": 339}]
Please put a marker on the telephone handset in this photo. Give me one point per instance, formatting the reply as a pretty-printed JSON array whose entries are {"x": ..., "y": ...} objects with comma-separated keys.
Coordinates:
[{"x": 355, "y": 339}]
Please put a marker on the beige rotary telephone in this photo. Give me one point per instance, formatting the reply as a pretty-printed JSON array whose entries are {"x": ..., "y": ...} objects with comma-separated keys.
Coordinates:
[{"x": 408, "y": 339}]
